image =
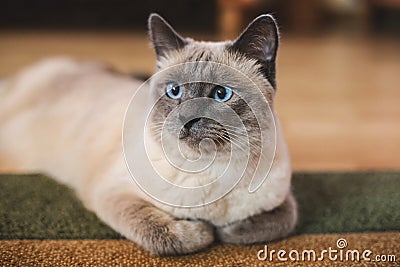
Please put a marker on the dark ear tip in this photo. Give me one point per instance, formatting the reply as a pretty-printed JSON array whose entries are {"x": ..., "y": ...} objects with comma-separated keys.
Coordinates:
[
  {"x": 154, "y": 17},
  {"x": 266, "y": 22},
  {"x": 266, "y": 18}
]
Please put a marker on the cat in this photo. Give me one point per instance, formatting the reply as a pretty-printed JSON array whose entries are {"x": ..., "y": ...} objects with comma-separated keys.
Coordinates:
[{"x": 64, "y": 118}]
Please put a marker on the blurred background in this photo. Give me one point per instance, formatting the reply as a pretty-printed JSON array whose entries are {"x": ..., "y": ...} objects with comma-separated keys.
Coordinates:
[{"x": 338, "y": 63}]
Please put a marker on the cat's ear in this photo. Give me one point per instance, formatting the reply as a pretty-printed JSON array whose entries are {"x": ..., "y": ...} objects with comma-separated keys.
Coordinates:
[
  {"x": 260, "y": 41},
  {"x": 163, "y": 37}
]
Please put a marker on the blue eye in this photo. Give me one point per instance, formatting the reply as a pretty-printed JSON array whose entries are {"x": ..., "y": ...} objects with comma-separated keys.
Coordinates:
[
  {"x": 222, "y": 93},
  {"x": 174, "y": 90}
]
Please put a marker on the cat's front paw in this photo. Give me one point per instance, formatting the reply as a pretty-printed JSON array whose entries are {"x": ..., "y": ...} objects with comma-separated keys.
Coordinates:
[
  {"x": 267, "y": 226},
  {"x": 183, "y": 237},
  {"x": 152, "y": 228}
]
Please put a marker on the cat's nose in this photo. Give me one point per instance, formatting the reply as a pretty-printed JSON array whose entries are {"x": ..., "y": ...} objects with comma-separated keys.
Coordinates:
[{"x": 189, "y": 123}]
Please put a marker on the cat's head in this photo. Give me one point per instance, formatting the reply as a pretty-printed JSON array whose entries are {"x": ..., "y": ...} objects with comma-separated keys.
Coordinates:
[{"x": 233, "y": 75}]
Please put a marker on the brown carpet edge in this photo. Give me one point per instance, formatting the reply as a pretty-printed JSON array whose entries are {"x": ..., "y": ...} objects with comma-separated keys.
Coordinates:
[{"x": 126, "y": 253}]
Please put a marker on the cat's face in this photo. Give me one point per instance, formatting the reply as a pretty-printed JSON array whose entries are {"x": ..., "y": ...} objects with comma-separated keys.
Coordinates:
[{"x": 201, "y": 84}]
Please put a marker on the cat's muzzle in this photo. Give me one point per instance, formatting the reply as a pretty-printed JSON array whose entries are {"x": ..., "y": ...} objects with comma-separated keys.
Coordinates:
[{"x": 195, "y": 130}]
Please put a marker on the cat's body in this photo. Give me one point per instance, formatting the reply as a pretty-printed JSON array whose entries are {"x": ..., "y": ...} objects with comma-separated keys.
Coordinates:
[{"x": 82, "y": 147}]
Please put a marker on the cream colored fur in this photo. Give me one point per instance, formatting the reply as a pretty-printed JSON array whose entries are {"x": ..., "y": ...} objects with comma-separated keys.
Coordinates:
[{"x": 64, "y": 118}]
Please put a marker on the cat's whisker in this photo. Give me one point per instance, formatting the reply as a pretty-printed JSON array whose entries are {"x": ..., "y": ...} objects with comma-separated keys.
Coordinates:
[
  {"x": 238, "y": 132},
  {"x": 233, "y": 128},
  {"x": 248, "y": 143},
  {"x": 152, "y": 127},
  {"x": 240, "y": 144},
  {"x": 236, "y": 141},
  {"x": 253, "y": 141},
  {"x": 233, "y": 142},
  {"x": 245, "y": 136},
  {"x": 156, "y": 130},
  {"x": 219, "y": 142},
  {"x": 253, "y": 160},
  {"x": 155, "y": 125},
  {"x": 244, "y": 139}
]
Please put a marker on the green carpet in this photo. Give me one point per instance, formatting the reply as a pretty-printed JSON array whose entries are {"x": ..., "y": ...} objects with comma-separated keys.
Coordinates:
[{"x": 36, "y": 207}]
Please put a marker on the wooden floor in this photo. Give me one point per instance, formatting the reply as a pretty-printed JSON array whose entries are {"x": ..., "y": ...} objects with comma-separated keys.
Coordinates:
[{"x": 338, "y": 96}]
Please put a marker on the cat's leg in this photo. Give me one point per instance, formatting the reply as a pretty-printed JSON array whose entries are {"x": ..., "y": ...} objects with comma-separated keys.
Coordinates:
[
  {"x": 152, "y": 228},
  {"x": 263, "y": 227}
]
